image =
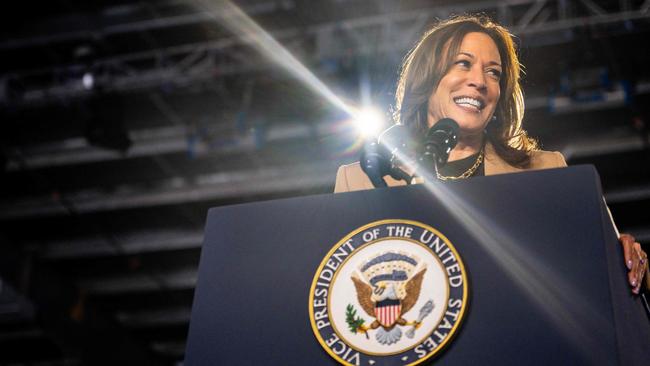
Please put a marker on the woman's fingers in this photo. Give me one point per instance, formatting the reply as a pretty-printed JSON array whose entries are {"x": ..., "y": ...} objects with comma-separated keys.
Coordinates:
[
  {"x": 636, "y": 261},
  {"x": 627, "y": 241},
  {"x": 642, "y": 266},
  {"x": 632, "y": 275}
]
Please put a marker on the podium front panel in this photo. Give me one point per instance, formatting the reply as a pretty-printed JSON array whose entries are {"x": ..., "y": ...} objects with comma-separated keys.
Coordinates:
[{"x": 536, "y": 246}]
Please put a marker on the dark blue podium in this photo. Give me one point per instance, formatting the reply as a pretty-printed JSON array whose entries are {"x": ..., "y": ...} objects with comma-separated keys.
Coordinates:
[{"x": 546, "y": 276}]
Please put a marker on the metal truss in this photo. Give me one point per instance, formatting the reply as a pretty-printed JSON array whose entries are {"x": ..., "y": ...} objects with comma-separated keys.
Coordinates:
[
  {"x": 208, "y": 187},
  {"x": 174, "y": 139},
  {"x": 139, "y": 242},
  {"x": 249, "y": 182},
  {"x": 383, "y": 34},
  {"x": 153, "y": 142}
]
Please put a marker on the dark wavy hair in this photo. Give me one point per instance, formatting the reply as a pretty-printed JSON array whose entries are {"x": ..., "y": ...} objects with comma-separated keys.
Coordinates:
[{"x": 430, "y": 60}]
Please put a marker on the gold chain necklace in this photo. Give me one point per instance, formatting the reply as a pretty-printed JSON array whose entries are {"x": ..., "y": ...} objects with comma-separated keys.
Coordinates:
[{"x": 468, "y": 173}]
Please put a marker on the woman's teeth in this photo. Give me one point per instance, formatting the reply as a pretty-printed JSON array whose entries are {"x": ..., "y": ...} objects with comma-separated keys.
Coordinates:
[{"x": 469, "y": 101}]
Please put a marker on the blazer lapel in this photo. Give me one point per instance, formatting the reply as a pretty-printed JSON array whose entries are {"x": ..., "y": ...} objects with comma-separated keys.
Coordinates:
[{"x": 494, "y": 164}]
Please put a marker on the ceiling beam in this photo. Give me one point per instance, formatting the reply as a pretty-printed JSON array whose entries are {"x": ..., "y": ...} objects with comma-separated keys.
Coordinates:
[
  {"x": 629, "y": 194},
  {"x": 177, "y": 279},
  {"x": 216, "y": 186},
  {"x": 154, "y": 142},
  {"x": 153, "y": 318},
  {"x": 127, "y": 243}
]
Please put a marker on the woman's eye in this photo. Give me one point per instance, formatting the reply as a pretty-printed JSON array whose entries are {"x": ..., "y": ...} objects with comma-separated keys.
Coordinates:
[
  {"x": 463, "y": 63},
  {"x": 495, "y": 73}
]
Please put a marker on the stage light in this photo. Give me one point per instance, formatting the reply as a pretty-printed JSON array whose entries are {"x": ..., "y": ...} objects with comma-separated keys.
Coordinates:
[
  {"x": 369, "y": 121},
  {"x": 88, "y": 80}
]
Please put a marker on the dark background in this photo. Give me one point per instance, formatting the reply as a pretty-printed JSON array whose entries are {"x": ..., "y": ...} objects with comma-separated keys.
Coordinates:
[{"x": 104, "y": 188}]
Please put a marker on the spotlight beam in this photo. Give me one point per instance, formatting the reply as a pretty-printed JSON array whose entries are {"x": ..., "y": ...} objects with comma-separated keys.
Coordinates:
[{"x": 236, "y": 21}]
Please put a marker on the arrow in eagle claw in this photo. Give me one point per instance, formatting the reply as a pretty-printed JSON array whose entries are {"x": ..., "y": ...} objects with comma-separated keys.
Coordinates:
[{"x": 424, "y": 312}]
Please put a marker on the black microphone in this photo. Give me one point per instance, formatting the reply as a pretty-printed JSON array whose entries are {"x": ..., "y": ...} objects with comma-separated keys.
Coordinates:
[
  {"x": 441, "y": 138},
  {"x": 375, "y": 162},
  {"x": 384, "y": 156}
]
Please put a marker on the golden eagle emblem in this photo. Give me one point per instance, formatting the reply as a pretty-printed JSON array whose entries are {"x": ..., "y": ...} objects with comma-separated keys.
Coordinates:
[{"x": 390, "y": 287}]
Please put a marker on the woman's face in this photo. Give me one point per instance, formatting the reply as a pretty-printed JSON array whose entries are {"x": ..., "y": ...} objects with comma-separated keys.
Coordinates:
[{"x": 470, "y": 90}]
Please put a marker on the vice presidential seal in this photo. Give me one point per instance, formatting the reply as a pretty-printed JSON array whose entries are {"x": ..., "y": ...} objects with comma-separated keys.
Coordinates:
[{"x": 393, "y": 292}]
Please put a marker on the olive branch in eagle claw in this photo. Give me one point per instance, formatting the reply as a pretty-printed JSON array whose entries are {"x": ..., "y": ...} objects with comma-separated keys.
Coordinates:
[{"x": 355, "y": 323}]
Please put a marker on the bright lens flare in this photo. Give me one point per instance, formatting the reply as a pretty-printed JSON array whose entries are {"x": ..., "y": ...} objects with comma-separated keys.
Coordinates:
[{"x": 369, "y": 122}]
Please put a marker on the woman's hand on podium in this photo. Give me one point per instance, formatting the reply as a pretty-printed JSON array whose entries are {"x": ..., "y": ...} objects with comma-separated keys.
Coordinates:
[{"x": 636, "y": 261}]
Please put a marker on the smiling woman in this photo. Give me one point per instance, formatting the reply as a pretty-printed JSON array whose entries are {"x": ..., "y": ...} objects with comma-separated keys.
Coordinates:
[
  {"x": 475, "y": 58},
  {"x": 466, "y": 68}
]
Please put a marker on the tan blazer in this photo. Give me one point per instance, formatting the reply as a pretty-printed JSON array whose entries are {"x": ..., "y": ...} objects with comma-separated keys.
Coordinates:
[{"x": 352, "y": 178}]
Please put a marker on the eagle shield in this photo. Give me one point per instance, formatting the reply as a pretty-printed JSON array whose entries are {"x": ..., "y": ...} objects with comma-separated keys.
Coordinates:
[
  {"x": 387, "y": 312},
  {"x": 390, "y": 287}
]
